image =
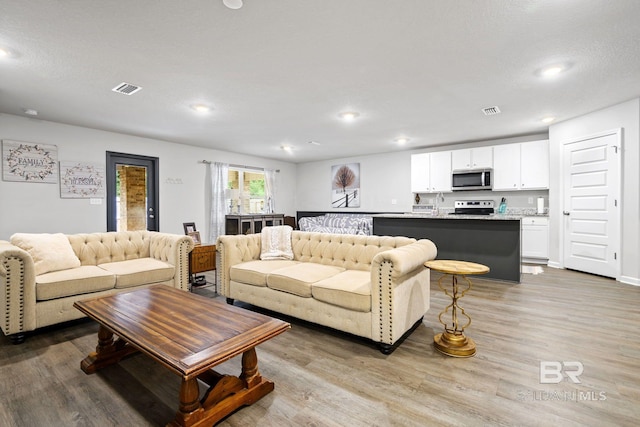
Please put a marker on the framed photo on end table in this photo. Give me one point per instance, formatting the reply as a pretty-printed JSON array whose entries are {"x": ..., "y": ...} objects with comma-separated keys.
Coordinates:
[
  {"x": 195, "y": 235},
  {"x": 189, "y": 227}
]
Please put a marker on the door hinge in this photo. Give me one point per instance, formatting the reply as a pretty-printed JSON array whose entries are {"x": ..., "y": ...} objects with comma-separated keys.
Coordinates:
[
  {"x": 615, "y": 255},
  {"x": 615, "y": 203},
  {"x": 615, "y": 147}
]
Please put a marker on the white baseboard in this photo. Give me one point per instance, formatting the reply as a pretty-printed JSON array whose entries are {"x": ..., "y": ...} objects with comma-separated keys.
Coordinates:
[
  {"x": 630, "y": 280},
  {"x": 554, "y": 264},
  {"x": 541, "y": 261}
]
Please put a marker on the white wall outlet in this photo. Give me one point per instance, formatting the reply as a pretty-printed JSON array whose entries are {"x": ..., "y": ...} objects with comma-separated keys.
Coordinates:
[
  {"x": 95, "y": 201},
  {"x": 530, "y": 200},
  {"x": 394, "y": 201}
]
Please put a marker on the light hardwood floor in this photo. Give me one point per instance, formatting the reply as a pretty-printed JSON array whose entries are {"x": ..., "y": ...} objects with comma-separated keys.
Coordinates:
[{"x": 324, "y": 378}]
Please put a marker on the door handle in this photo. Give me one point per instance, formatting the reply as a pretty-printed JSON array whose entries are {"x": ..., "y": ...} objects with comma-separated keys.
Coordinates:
[{"x": 566, "y": 213}]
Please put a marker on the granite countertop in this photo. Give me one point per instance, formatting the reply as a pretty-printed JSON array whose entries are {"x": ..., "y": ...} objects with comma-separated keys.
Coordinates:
[
  {"x": 512, "y": 214},
  {"x": 445, "y": 215}
]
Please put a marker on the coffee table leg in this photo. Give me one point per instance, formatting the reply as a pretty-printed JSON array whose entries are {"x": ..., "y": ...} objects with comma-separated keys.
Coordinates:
[
  {"x": 226, "y": 394},
  {"x": 250, "y": 374},
  {"x": 108, "y": 351},
  {"x": 190, "y": 410}
]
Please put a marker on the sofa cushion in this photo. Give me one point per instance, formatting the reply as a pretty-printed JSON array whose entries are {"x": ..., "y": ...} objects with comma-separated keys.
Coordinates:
[
  {"x": 140, "y": 271},
  {"x": 256, "y": 272},
  {"x": 350, "y": 289},
  {"x": 50, "y": 252},
  {"x": 73, "y": 281},
  {"x": 298, "y": 279}
]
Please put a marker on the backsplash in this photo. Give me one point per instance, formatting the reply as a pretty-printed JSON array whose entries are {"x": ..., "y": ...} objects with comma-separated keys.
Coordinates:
[{"x": 518, "y": 202}]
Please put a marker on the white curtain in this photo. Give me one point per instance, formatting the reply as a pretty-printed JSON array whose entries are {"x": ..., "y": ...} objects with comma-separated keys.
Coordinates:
[
  {"x": 219, "y": 173},
  {"x": 270, "y": 190}
]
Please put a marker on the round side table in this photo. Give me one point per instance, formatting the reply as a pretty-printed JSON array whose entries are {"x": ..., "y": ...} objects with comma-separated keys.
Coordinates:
[{"x": 452, "y": 341}]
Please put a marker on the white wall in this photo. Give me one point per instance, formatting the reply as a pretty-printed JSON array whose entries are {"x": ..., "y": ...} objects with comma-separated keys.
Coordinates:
[
  {"x": 386, "y": 177},
  {"x": 626, "y": 116},
  {"x": 37, "y": 207}
]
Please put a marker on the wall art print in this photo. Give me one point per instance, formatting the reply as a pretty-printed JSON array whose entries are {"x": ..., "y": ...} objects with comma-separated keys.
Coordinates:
[
  {"x": 81, "y": 180},
  {"x": 345, "y": 186},
  {"x": 29, "y": 162}
]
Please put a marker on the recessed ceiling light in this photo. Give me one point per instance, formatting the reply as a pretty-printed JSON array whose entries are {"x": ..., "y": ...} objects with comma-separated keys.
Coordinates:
[
  {"x": 553, "y": 70},
  {"x": 349, "y": 115},
  {"x": 232, "y": 4},
  {"x": 30, "y": 111},
  {"x": 3, "y": 52},
  {"x": 547, "y": 119},
  {"x": 286, "y": 148},
  {"x": 313, "y": 143},
  {"x": 402, "y": 140},
  {"x": 201, "y": 108}
]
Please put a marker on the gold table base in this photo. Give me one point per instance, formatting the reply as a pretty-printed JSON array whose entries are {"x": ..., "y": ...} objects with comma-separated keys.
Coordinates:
[
  {"x": 454, "y": 345},
  {"x": 453, "y": 341}
]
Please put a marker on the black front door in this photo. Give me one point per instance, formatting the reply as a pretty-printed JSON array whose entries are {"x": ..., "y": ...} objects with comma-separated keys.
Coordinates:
[{"x": 132, "y": 192}]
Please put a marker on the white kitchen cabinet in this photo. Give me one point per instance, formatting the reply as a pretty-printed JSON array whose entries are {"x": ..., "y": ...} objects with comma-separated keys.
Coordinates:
[
  {"x": 535, "y": 239},
  {"x": 506, "y": 167},
  {"x": 420, "y": 182},
  {"x": 534, "y": 165},
  {"x": 440, "y": 171},
  {"x": 431, "y": 172},
  {"x": 472, "y": 158},
  {"x": 522, "y": 166}
]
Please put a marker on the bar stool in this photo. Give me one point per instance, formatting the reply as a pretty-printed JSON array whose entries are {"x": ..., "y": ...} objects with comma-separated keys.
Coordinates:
[{"x": 453, "y": 341}]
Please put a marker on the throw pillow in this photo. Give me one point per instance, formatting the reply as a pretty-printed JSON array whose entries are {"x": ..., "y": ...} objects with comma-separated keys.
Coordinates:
[
  {"x": 50, "y": 252},
  {"x": 276, "y": 242}
]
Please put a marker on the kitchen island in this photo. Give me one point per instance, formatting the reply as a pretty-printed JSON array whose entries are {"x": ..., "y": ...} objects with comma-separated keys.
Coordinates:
[{"x": 492, "y": 240}]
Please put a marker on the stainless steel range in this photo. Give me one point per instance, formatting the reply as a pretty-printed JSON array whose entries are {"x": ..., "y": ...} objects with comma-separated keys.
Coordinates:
[{"x": 473, "y": 207}]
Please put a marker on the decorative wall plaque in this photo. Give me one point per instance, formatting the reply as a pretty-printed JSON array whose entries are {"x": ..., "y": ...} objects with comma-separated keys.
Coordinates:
[
  {"x": 29, "y": 162},
  {"x": 80, "y": 180}
]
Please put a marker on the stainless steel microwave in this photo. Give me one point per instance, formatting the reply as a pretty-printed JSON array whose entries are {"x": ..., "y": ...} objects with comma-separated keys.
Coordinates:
[{"x": 474, "y": 179}]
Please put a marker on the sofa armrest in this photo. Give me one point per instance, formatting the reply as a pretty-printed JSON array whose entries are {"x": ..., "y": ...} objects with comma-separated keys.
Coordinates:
[
  {"x": 400, "y": 289},
  {"x": 232, "y": 250},
  {"x": 173, "y": 249},
  {"x": 17, "y": 290},
  {"x": 407, "y": 258}
]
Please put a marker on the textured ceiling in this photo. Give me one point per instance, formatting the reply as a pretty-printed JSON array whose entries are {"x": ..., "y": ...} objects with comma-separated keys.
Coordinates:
[{"x": 279, "y": 71}]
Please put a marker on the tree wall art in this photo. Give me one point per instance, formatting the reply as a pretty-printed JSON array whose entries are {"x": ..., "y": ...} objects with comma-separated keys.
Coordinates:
[{"x": 345, "y": 186}]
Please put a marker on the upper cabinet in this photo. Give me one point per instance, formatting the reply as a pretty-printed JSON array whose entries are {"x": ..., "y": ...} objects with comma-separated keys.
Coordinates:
[
  {"x": 534, "y": 165},
  {"x": 431, "y": 172},
  {"x": 440, "y": 175},
  {"x": 506, "y": 167},
  {"x": 472, "y": 158},
  {"x": 523, "y": 166},
  {"x": 420, "y": 166}
]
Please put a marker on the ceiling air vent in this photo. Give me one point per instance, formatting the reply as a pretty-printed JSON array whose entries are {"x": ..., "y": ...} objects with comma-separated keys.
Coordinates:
[
  {"x": 490, "y": 111},
  {"x": 126, "y": 88}
]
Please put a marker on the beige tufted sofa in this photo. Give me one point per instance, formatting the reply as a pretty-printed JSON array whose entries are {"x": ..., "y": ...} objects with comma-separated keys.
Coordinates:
[
  {"x": 108, "y": 263},
  {"x": 370, "y": 286}
]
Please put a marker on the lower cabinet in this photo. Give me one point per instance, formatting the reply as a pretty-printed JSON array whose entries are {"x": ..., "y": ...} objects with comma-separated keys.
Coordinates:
[{"x": 535, "y": 239}]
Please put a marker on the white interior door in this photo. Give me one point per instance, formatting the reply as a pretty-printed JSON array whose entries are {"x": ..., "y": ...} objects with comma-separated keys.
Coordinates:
[{"x": 591, "y": 204}]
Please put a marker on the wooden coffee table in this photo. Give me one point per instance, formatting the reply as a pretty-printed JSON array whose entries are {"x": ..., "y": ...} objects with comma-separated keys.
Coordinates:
[{"x": 189, "y": 334}]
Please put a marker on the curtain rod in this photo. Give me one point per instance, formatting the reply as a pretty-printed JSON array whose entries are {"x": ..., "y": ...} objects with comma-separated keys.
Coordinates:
[{"x": 208, "y": 162}]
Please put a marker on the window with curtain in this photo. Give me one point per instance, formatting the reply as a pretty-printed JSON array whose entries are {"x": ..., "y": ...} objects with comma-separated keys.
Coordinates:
[{"x": 247, "y": 191}]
